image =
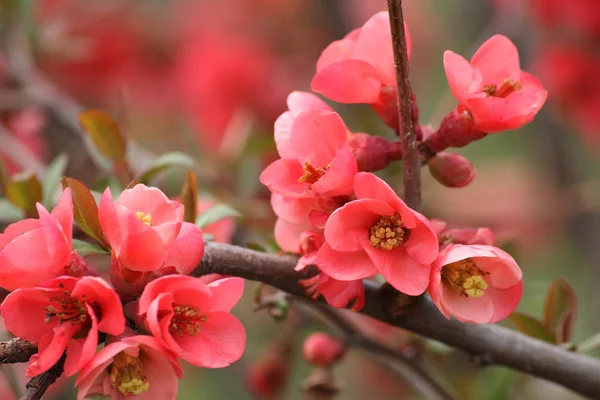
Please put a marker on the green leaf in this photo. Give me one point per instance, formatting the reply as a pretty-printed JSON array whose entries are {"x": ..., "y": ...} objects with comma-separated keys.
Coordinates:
[
  {"x": 531, "y": 326},
  {"x": 10, "y": 212},
  {"x": 85, "y": 248},
  {"x": 590, "y": 344},
  {"x": 216, "y": 213},
  {"x": 208, "y": 237},
  {"x": 105, "y": 133},
  {"x": 560, "y": 309},
  {"x": 256, "y": 247},
  {"x": 24, "y": 193},
  {"x": 85, "y": 210},
  {"x": 189, "y": 197},
  {"x": 56, "y": 169},
  {"x": 164, "y": 162}
]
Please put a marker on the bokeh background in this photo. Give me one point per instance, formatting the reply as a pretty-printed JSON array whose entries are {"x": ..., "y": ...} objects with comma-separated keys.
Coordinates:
[{"x": 207, "y": 79}]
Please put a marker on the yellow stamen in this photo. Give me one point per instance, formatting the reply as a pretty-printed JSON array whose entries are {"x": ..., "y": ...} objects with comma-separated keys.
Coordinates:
[
  {"x": 465, "y": 278},
  {"x": 312, "y": 174},
  {"x": 186, "y": 320},
  {"x": 508, "y": 86},
  {"x": 145, "y": 218},
  {"x": 127, "y": 375},
  {"x": 387, "y": 233}
]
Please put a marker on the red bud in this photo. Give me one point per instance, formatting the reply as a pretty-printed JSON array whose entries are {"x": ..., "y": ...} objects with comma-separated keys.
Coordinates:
[
  {"x": 322, "y": 350},
  {"x": 373, "y": 153},
  {"x": 452, "y": 170},
  {"x": 456, "y": 130},
  {"x": 268, "y": 375}
]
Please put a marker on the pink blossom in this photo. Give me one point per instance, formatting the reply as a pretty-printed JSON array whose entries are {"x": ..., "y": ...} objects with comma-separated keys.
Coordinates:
[
  {"x": 35, "y": 250},
  {"x": 379, "y": 234},
  {"x": 132, "y": 367},
  {"x": 478, "y": 284},
  {"x": 322, "y": 350},
  {"x": 360, "y": 68},
  {"x": 493, "y": 88},
  {"x": 192, "y": 319},
  {"x": 316, "y": 159},
  {"x": 63, "y": 313},
  {"x": 140, "y": 227}
]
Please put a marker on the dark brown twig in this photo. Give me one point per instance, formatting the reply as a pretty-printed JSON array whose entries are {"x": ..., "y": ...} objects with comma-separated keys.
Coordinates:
[
  {"x": 494, "y": 343},
  {"x": 37, "y": 386},
  {"x": 16, "y": 350},
  {"x": 410, "y": 160}
]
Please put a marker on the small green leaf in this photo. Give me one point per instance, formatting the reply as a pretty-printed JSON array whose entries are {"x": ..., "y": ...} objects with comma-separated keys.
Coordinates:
[
  {"x": 85, "y": 248},
  {"x": 216, "y": 213},
  {"x": 531, "y": 326},
  {"x": 164, "y": 162},
  {"x": 105, "y": 134},
  {"x": 10, "y": 212},
  {"x": 208, "y": 237},
  {"x": 256, "y": 247},
  {"x": 279, "y": 311},
  {"x": 590, "y": 344},
  {"x": 189, "y": 197},
  {"x": 560, "y": 309},
  {"x": 56, "y": 169},
  {"x": 24, "y": 193},
  {"x": 85, "y": 210}
]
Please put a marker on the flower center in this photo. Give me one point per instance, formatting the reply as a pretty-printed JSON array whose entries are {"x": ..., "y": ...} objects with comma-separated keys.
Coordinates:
[
  {"x": 508, "y": 86},
  {"x": 66, "y": 308},
  {"x": 387, "y": 233},
  {"x": 312, "y": 174},
  {"x": 186, "y": 320},
  {"x": 465, "y": 278},
  {"x": 127, "y": 375},
  {"x": 145, "y": 218}
]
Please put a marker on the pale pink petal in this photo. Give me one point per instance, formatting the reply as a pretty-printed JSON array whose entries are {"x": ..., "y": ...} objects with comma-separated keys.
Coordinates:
[
  {"x": 109, "y": 221},
  {"x": 38, "y": 260},
  {"x": 505, "y": 300},
  {"x": 301, "y": 101},
  {"x": 168, "y": 231},
  {"x": 467, "y": 309},
  {"x": 287, "y": 235},
  {"x": 374, "y": 46},
  {"x": 422, "y": 244},
  {"x": 103, "y": 358},
  {"x": 185, "y": 289},
  {"x": 352, "y": 221},
  {"x": 464, "y": 81},
  {"x": 340, "y": 293},
  {"x": 293, "y": 209},
  {"x": 350, "y": 81},
  {"x": 187, "y": 250},
  {"x": 282, "y": 176},
  {"x": 143, "y": 198},
  {"x": 345, "y": 266},
  {"x": 63, "y": 214},
  {"x": 161, "y": 376},
  {"x": 283, "y": 127},
  {"x": 221, "y": 341},
  {"x": 338, "y": 179},
  {"x": 338, "y": 50},
  {"x": 226, "y": 293},
  {"x": 16, "y": 229},
  {"x": 497, "y": 59}
]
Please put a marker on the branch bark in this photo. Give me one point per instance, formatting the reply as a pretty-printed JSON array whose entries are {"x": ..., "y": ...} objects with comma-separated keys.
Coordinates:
[
  {"x": 492, "y": 343},
  {"x": 37, "y": 386},
  {"x": 410, "y": 155},
  {"x": 16, "y": 351}
]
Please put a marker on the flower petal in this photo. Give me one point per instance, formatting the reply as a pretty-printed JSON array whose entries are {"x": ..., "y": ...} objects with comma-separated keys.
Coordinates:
[
  {"x": 226, "y": 293},
  {"x": 350, "y": 81},
  {"x": 345, "y": 266}
]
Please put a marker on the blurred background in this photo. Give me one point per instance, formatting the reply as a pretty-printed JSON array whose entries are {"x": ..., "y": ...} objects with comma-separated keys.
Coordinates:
[{"x": 201, "y": 82}]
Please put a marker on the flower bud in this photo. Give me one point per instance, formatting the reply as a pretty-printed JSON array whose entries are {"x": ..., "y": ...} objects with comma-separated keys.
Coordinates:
[
  {"x": 322, "y": 350},
  {"x": 267, "y": 376},
  {"x": 456, "y": 130},
  {"x": 471, "y": 236},
  {"x": 452, "y": 170},
  {"x": 373, "y": 153}
]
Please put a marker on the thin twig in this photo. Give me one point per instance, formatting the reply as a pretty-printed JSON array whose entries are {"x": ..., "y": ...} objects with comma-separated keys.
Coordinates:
[
  {"x": 37, "y": 386},
  {"x": 410, "y": 160},
  {"x": 16, "y": 351},
  {"x": 395, "y": 361},
  {"x": 491, "y": 342}
]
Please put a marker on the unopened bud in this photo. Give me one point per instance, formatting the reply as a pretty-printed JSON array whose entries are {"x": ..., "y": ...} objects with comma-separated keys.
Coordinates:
[
  {"x": 322, "y": 350},
  {"x": 373, "y": 153},
  {"x": 267, "y": 377},
  {"x": 471, "y": 236},
  {"x": 452, "y": 170},
  {"x": 456, "y": 130}
]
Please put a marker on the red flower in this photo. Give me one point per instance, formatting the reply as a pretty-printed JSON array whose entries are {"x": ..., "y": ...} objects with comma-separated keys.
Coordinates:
[
  {"x": 478, "y": 284},
  {"x": 35, "y": 250},
  {"x": 492, "y": 87},
  {"x": 378, "y": 233},
  {"x": 360, "y": 68},
  {"x": 65, "y": 312},
  {"x": 316, "y": 159},
  {"x": 192, "y": 319},
  {"x": 133, "y": 366}
]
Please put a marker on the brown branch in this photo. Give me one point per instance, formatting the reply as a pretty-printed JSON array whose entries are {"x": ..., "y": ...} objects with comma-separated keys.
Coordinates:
[
  {"x": 391, "y": 359},
  {"x": 410, "y": 162},
  {"x": 493, "y": 343},
  {"x": 37, "y": 386},
  {"x": 16, "y": 351}
]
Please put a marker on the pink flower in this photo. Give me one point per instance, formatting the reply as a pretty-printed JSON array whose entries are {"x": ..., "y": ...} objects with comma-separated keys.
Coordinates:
[
  {"x": 379, "y": 233},
  {"x": 140, "y": 227},
  {"x": 492, "y": 87},
  {"x": 35, "y": 250},
  {"x": 192, "y": 319},
  {"x": 322, "y": 350},
  {"x": 360, "y": 68},
  {"x": 133, "y": 366},
  {"x": 478, "y": 284},
  {"x": 64, "y": 313},
  {"x": 316, "y": 159}
]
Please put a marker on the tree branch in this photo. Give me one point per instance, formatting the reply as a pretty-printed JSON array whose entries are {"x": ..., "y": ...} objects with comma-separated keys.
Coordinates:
[
  {"x": 393, "y": 360},
  {"x": 37, "y": 386},
  {"x": 16, "y": 351},
  {"x": 410, "y": 159},
  {"x": 492, "y": 343}
]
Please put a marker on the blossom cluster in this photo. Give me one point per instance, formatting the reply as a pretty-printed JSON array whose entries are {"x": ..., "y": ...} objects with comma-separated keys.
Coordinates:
[
  {"x": 149, "y": 315},
  {"x": 336, "y": 214}
]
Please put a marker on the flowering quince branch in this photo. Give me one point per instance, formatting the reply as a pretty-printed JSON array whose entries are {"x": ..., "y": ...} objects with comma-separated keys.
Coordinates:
[
  {"x": 16, "y": 350},
  {"x": 37, "y": 386}
]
